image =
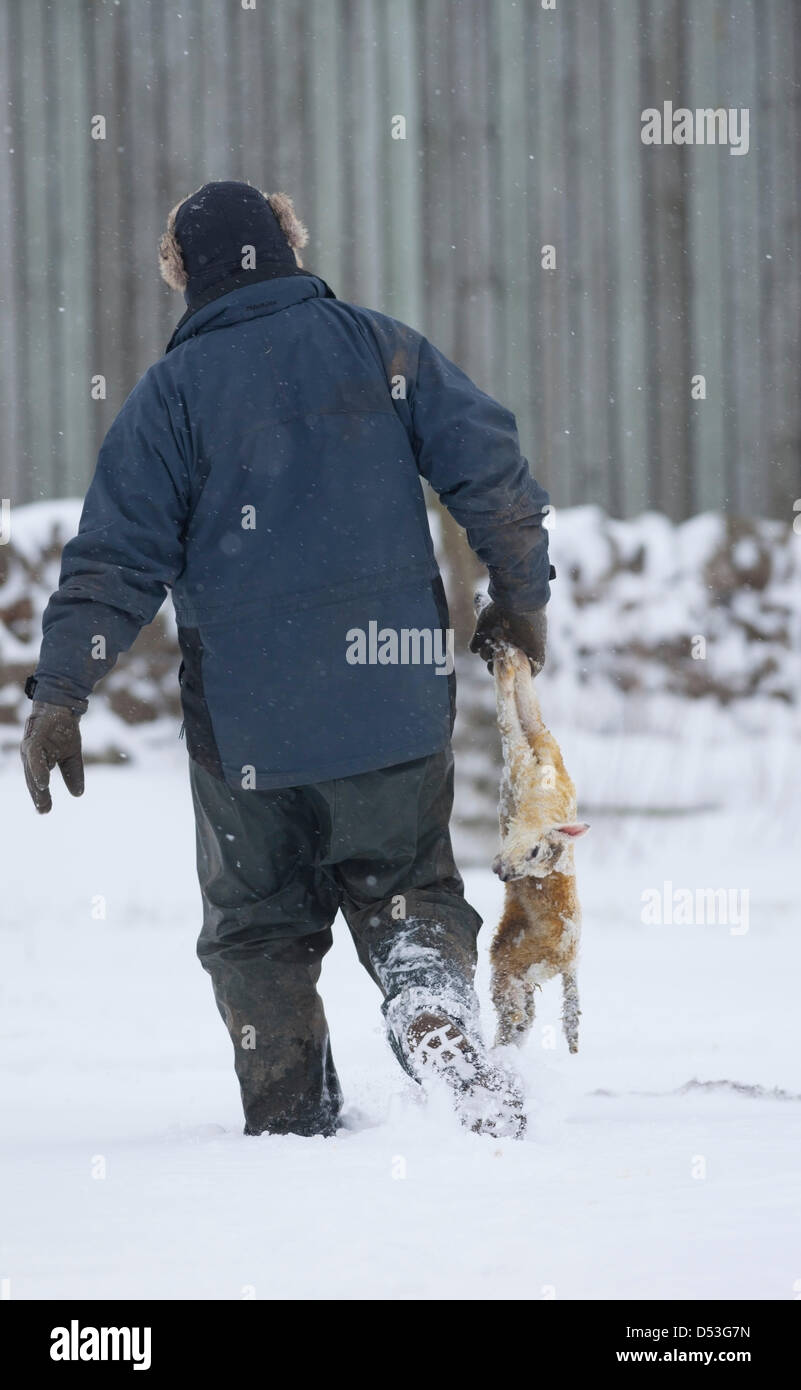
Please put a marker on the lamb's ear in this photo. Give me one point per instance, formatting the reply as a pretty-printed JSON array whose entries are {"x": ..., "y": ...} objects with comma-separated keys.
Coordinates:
[{"x": 573, "y": 831}]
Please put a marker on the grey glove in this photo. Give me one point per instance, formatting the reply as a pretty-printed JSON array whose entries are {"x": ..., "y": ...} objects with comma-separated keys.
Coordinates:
[
  {"x": 51, "y": 738},
  {"x": 527, "y": 631}
]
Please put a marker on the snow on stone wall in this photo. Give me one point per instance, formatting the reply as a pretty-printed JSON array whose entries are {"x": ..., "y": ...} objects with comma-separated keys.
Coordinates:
[
  {"x": 137, "y": 704},
  {"x": 645, "y": 616},
  {"x": 707, "y": 608}
]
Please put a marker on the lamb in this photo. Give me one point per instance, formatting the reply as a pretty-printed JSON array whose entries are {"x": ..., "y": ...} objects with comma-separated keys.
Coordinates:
[{"x": 538, "y": 935}]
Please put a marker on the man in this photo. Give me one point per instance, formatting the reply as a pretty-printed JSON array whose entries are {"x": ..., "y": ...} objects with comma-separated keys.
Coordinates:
[{"x": 267, "y": 470}]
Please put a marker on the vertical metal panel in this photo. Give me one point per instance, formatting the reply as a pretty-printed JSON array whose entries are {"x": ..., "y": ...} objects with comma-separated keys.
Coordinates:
[
  {"x": 780, "y": 257},
  {"x": 349, "y": 173},
  {"x": 288, "y": 60},
  {"x": 11, "y": 380},
  {"x": 513, "y": 217},
  {"x": 327, "y": 206},
  {"x": 627, "y": 356},
  {"x": 180, "y": 173},
  {"x": 367, "y": 136},
  {"x": 472, "y": 236},
  {"x": 144, "y": 212},
  {"x": 739, "y": 174},
  {"x": 70, "y": 180},
  {"x": 591, "y": 393},
  {"x": 555, "y": 80},
  {"x": 526, "y": 277},
  {"x": 523, "y": 128},
  {"x": 439, "y": 176},
  {"x": 36, "y": 335},
  {"x": 665, "y": 213},
  {"x": 401, "y": 162},
  {"x": 575, "y": 433},
  {"x": 108, "y": 245},
  {"x": 707, "y": 436},
  {"x": 211, "y": 77}
]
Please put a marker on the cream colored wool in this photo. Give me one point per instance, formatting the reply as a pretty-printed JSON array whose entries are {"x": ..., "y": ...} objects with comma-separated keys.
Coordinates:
[{"x": 538, "y": 934}]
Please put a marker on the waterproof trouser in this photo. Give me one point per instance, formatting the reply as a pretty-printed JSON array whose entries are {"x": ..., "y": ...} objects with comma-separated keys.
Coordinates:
[{"x": 274, "y": 869}]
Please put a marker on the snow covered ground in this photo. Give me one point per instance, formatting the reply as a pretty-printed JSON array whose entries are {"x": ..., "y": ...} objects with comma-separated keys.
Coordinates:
[{"x": 662, "y": 1161}]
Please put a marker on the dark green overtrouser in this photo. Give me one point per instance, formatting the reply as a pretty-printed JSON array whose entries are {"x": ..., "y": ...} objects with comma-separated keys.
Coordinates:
[{"x": 274, "y": 868}]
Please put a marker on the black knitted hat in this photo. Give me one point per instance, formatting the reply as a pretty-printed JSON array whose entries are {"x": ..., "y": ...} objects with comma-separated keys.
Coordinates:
[{"x": 225, "y": 229}]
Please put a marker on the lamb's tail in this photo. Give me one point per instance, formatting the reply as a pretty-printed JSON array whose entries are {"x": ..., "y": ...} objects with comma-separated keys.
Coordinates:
[{"x": 570, "y": 1008}]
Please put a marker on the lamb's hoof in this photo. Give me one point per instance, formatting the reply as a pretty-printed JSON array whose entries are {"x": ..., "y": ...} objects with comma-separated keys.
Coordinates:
[{"x": 506, "y": 872}]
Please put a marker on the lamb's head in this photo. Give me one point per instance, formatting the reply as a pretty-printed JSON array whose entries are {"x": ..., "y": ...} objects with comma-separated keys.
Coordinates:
[{"x": 549, "y": 854}]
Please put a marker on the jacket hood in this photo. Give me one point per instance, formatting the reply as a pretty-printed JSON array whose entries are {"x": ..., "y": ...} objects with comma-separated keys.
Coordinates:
[{"x": 249, "y": 301}]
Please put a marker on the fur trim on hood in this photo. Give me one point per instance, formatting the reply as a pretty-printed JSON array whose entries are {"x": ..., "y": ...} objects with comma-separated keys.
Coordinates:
[
  {"x": 171, "y": 261},
  {"x": 293, "y": 229}
]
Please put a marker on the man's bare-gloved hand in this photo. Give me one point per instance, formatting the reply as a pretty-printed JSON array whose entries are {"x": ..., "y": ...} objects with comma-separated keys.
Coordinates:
[
  {"x": 51, "y": 738},
  {"x": 527, "y": 631}
]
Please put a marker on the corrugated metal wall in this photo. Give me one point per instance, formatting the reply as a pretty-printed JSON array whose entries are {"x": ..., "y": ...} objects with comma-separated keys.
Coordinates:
[{"x": 523, "y": 128}]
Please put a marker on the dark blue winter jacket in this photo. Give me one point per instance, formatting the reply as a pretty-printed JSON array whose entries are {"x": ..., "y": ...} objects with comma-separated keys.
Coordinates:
[{"x": 267, "y": 470}]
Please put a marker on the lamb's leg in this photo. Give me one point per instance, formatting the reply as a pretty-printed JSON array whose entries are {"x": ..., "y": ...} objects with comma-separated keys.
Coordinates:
[
  {"x": 526, "y": 701},
  {"x": 514, "y": 741},
  {"x": 503, "y": 670},
  {"x": 570, "y": 1008},
  {"x": 514, "y": 1006}
]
